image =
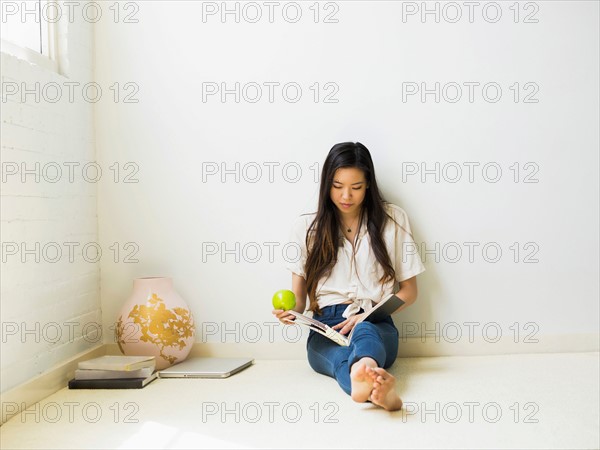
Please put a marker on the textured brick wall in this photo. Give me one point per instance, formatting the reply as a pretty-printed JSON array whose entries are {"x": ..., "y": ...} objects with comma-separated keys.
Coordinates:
[{"x": 50, "y": 287}]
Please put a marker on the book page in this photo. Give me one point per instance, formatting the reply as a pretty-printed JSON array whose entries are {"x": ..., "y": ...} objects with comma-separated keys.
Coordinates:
[
  {"x": 321, "y": 328},
  {"x": 309, "y": 320}
]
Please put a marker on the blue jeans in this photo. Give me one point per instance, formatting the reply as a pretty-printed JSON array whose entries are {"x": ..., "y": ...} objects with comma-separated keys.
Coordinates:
[{"x": 378, "y": 341}]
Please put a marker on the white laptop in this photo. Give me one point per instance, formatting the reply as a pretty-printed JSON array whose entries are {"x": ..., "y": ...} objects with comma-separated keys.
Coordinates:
[{"x": 199, "y": 367}]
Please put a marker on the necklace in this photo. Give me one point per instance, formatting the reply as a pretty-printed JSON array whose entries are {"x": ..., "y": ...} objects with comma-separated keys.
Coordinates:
[{"x": 348, "y": 228}]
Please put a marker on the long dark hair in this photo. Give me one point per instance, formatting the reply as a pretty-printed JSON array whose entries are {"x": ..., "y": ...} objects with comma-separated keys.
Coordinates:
[{"x": 323, "y": 236}]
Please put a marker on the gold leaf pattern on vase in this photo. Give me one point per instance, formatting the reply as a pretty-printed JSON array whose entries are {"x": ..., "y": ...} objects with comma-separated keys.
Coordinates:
[{"x": 160, "y": 326}]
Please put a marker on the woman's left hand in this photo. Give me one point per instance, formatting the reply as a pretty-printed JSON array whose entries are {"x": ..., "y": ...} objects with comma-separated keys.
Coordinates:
[{"x": 347, "y": 325}]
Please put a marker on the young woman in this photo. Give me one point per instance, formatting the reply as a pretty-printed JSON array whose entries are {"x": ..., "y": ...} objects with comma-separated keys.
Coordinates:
[{"x": 354, "y": 254}]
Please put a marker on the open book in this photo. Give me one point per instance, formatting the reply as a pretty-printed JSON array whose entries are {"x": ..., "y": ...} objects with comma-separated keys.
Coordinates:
[{"x": 378, "y": 313}]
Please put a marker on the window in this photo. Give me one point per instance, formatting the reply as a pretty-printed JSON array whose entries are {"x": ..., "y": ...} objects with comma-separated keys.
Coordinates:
[{"x": 28, "y": 30}]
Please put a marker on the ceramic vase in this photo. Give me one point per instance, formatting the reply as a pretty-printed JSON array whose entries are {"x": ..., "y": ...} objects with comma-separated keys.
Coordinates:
[{"x": 155, "y": 321}]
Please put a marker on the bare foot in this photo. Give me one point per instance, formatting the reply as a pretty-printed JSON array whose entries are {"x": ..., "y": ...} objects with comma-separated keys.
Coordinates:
[
  {"x": 384, "y": 389},
  {"x": 361, "y": 381}
]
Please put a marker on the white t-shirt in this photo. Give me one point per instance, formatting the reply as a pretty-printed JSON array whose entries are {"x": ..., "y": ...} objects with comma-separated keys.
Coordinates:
[{"x": 360, "y": 282}]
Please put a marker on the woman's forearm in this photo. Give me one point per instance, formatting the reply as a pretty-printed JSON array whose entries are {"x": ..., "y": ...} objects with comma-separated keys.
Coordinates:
[
  {"x": 407, "y": 293},
  {"x": 299, "y": 290}
]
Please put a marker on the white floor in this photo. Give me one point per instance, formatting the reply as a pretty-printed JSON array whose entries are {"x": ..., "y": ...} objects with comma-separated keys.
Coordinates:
[{"x": 507, "y": 401}]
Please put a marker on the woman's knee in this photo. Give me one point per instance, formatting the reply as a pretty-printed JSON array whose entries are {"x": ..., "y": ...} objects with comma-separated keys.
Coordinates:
[
  {"x": 365, "y": 328},
  {"x": 382, "y": 330}
]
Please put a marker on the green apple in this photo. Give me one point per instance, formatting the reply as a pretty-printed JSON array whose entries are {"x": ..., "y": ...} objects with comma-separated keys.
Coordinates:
[{"x": 284, "y": 299}]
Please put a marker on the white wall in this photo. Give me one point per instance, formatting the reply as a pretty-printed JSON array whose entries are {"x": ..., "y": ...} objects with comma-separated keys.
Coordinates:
[
  {"x": 171, "y": 134},
  {"x": 47, "y": 299}
]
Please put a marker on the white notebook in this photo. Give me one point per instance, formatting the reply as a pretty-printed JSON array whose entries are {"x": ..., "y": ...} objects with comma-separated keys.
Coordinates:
[
  {"x": 91, "y": 374},
  {"x": 118, "y": 362}
]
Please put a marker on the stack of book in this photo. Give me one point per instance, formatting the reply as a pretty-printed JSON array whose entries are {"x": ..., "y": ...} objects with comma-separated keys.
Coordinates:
[{"x": 114, "y": 372}]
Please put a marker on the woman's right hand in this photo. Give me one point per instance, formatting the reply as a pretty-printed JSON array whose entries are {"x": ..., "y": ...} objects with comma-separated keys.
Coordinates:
[{"x": 284, "y": 316}]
